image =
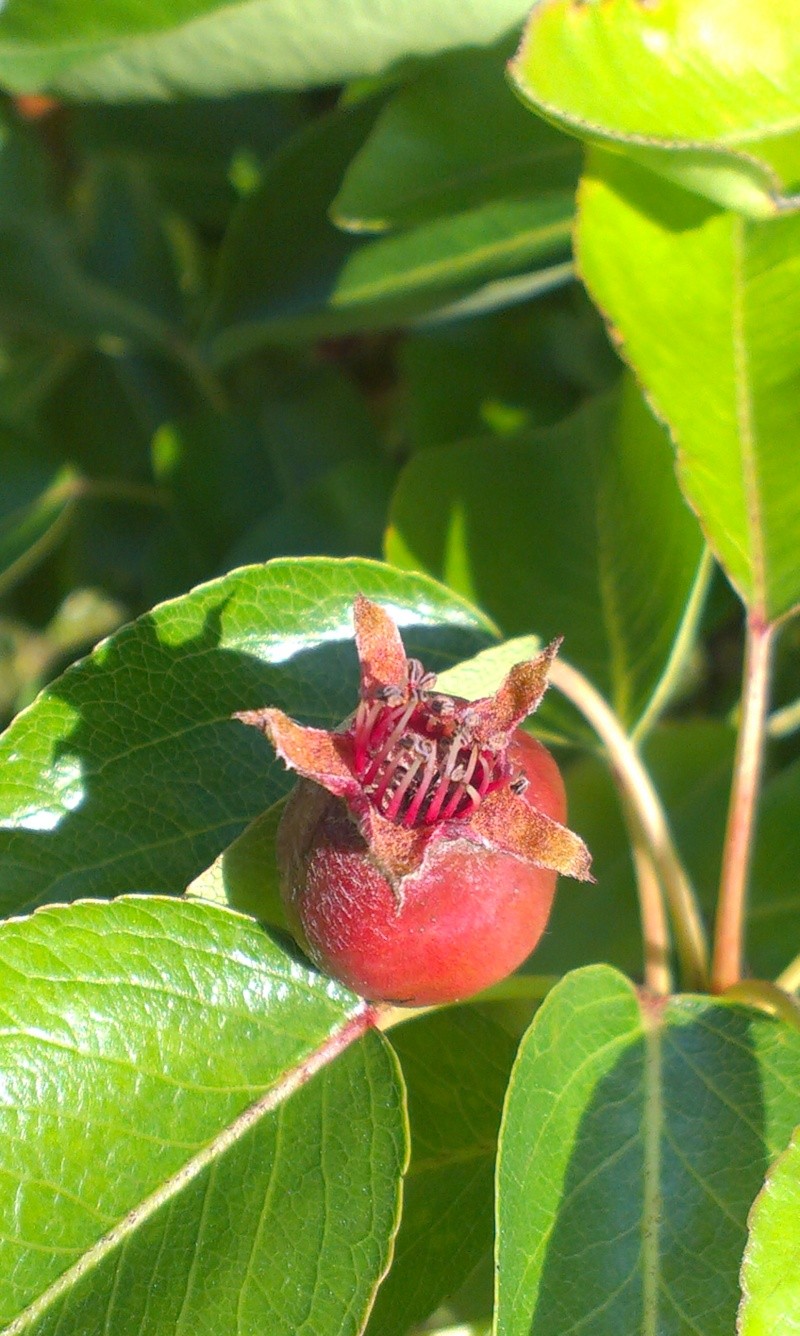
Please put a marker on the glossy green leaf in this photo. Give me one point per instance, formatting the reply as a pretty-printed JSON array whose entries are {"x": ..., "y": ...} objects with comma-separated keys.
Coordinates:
[
  {"x": 455, "y": 1066},
  {"x": 286, "y": 273},
  {"x": 128, "y": 773},
  {"x": 634, "y": 1139},
  {"x": 770, "y": 1272},
  {"x": 577, "y": 531},
  {"x": 706, "y": 307},
  {"x": 154, "y": 1058},
  {"x": 163, "y": 48},
  {"x": 451, "y": 139},
  {"x": 702, "y": 92}
]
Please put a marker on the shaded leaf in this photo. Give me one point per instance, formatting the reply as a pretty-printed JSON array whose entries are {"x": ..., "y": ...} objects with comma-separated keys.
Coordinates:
[
  {"x": 596, "y": 546},
  {"x": 188, "y": 148},
  {"x": 706, "y": 307},
  {"x": 455, "y": 1066},
  {"x": 634, "y": 1139},
  {"x": 154, "y": 1059},
  {"x": 450, "y": 139},
  {"x": 286, "y": 273},
  {"x": 527, "y": 367},
  {"x": 128, "y": 772},
  {"x": 703, "y": 93},
  {"x": 341, "y": 513}
]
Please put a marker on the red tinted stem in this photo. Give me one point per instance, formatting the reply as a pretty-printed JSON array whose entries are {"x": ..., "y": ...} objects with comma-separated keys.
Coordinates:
[{"x": 737, "y": 852}]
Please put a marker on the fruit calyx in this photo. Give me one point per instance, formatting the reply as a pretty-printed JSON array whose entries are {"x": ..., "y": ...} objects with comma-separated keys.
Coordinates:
[{"x": 415, "y": 766}]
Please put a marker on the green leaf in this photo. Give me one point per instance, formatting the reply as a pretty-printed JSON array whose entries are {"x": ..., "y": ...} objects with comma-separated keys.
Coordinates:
[
  {"x": 527, "y": 367},
  {"x": 187, "y": 148},
  {"x": 704, "y": 93},
  {"x": 583, "y": 509},
  {"x": 127, "y": 772},
  {"x": 773, "y": 920},
  {"x": 164, "y": 1161},
  {"x": 216, "y": 468},
  {"x": 167, "y": 48},
  {"x": 449, "y": 140},
  {"x": 634, "y": 1139},
  {"x": 47, "y": 288},
  {"x": 770, "y": 1272},
  {"x": 455, "y": 1066},
  {"x": 245, "y": 875},
  {"x": 314, "y": 420},
  {"x": 341, "y": 513},
  {"x": 287, "y": 273},
  {"x": 706, "y": 306}
]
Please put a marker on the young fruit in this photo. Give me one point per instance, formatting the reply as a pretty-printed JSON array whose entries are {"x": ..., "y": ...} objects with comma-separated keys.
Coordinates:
[{"x": 419, "y": 852}]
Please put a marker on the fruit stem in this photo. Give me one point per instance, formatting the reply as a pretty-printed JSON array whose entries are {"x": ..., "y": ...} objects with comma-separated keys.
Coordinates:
[
  {"x": 655, "y": 927},
  {"x": 737, "y": 849},
  {"x": 636, "y": 785}
]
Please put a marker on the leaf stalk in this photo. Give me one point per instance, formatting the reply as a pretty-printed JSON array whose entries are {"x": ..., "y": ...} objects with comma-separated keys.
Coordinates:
[{"x": 638, "y": 790}]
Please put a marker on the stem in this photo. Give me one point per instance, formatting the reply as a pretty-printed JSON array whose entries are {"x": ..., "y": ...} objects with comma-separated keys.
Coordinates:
[
  {"x": 737, "y": 850},
  {"x": 655, "y": 928},
  {"x": 637, "y": 787},
  {"x": 789, "y": 980},
  {"x": 767, "y": 997}
]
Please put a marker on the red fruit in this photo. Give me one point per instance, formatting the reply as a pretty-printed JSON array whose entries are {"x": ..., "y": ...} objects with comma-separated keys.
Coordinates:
[{"x": 419, "y": 855}]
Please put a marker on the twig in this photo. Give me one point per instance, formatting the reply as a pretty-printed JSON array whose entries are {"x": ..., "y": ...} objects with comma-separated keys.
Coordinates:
[
  {"x": 737, "y": 850},
  {"x": 637, "y": 787}
]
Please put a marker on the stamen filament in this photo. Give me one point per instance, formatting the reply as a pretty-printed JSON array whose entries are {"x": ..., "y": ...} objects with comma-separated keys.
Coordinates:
[
  {"x": 444, "y": 780},
  {"x": 424, "y": 787},
  {"x": 402, "y": 789},
  {"x": 396, "y": 733}
]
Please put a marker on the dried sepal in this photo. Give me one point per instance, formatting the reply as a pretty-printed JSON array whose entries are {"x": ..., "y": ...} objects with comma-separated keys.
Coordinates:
[
  {"x": 380, "y": 650},
  {"x": 506, "y": 821},
  {"x": 314, "y": 753},
  {"x": 494, "y": 718}
]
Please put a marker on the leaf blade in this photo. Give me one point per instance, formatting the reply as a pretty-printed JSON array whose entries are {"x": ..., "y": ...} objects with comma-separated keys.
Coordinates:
[
  {"x": 726, "y": 383},
  {"x": 228, "y": 1028},
  {"x": 127, "y": 771},
  {"x": 617, "y": 1152}
]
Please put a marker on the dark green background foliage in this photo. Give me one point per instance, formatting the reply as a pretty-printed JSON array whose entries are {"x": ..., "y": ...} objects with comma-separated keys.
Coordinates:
[{"x": 297, "y": 303}]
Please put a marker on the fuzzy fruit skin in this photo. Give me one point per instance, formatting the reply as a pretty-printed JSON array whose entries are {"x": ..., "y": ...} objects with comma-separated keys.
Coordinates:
[{"x": 468, "y": 917}]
